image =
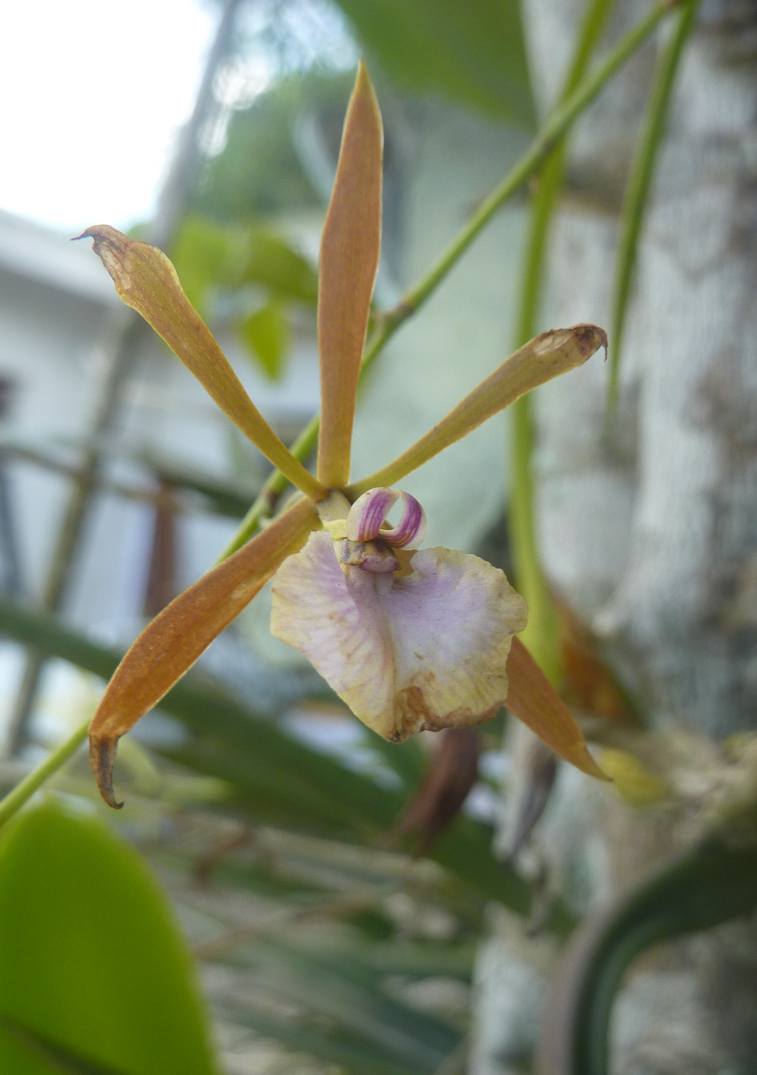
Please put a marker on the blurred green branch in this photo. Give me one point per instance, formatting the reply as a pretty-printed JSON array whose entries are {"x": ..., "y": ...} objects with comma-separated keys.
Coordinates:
[
  {"x": 24, "y": 790},
  {"x": 541, "y": 632},
  {"x": 639, "y": 185},
  {"x": 706, "y": 886}
]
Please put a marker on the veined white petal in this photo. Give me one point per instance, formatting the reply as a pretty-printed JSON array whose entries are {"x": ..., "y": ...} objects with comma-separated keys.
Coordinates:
[{"x": 425, "y": 650}]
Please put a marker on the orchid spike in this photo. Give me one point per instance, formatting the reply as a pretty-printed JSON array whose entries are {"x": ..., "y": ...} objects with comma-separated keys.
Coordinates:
[{"x": 410, "y": 639}]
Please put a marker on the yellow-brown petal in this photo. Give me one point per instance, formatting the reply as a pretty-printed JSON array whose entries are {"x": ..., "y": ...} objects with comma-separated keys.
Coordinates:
[
  {"x": 350, "y": 249},
  {"x": 533, "y": 699},
  {"x": 546, "y": 356},
  {"x": 146, "y": 280},
  {"x": 173, "y": 641}
]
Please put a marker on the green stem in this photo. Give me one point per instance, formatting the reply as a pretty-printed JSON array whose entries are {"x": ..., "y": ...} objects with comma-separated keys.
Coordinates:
[
  {"x": 704, "y": 887},
  {"x": 541, "y": 634},
  {"x": 21, "y": 794},
  {"x": 639, "y": 184},
  {"x": 556, "y": 126}
]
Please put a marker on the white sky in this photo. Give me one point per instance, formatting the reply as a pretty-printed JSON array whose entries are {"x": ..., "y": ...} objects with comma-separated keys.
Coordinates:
[{"x": 93, "y": 93}]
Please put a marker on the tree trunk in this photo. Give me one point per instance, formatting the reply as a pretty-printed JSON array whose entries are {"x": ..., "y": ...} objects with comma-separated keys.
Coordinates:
[{"x": 652, "y": 536}]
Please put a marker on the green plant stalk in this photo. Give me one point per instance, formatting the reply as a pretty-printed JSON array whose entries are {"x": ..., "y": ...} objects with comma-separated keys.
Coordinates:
[
  {"x": 709, "y": 884},
  {"x": 541, "y": 631},
  {"x": 529, "y": 164},
  {"x": 21, "y": 794},
  {"x": 639, "y": 185},
  {"x": 541, "y": 634}
]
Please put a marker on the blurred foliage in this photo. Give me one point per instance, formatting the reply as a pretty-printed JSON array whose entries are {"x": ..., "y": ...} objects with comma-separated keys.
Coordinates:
[
  {"x": 91, "y": 957},
  {"x": 250, "y": 274},
  {"x": 322, "y": 860},
  {"x": 471, "y": 54},
  {"x": 260, "y": 171},
  {"x": 266, "y": 333},
  {"x": 209, "y": 256},
  {"x": 705, "y": 886}
]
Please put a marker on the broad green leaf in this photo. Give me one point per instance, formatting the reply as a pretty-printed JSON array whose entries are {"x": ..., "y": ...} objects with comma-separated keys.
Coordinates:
[
  {"x": 61, "y": 1058},
  {"x": 546, "y": 356},
  {"x": 266, "y": 335},
  {"x": 146, "y": 280},
  {"x": 269, "y": 260},
  {"x": 210, "y": 255},
  {"x": 205, "y": 256},
  {"x": 470, "y": 53},
  {"x": 92, "y": 961},
  {"x": 350, "y": 247}
]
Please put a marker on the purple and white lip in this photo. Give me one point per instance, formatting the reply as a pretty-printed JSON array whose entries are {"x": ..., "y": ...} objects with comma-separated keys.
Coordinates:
[{"x": 366, "y": 518}]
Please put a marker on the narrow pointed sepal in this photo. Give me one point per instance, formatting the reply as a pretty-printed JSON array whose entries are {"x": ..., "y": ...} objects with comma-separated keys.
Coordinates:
[
  {"x": 533, "y": 699},
  {"x": 423, "y": 649},
  {"x": 538, "y": 361},
  {"x": 350, "y": 248},
  {"x": 146, "y": 280},
  {"x": 173, "y": 641}
]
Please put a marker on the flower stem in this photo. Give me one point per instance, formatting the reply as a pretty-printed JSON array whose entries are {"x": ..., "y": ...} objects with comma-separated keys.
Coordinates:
[
  {"x": 543, "y": 144},
  {"x": 639, "y": 184},
  {"x": 541, "y": 633},
  {"x": 21, "y": 794}
]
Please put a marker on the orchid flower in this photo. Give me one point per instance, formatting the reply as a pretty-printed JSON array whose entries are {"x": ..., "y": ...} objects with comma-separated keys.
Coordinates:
[{"x": 409, "y": 638}]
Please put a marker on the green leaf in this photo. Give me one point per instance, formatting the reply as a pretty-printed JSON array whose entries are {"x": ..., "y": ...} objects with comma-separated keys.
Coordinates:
[
  {"x": 265, "y": 333},
  {"x": 271, "y": 261},
  {"x": 204, "y": 256},
  {"x": 209, "y": 256},
  {"x": 60, "y": 1059},
  {"x": 335, "y": 988},
  {"x": 471, "y": 53},
  {"x": 94, "y": 968}
]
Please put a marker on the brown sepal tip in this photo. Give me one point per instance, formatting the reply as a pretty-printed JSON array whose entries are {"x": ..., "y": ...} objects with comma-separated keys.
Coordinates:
[
  {"x": 590, "y": 338},
  {"x": 102, "y": 755},
  {"x": 95, "y": 231}
]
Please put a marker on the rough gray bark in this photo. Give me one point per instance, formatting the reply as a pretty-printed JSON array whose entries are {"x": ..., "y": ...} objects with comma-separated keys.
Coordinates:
[{"x": 653, "y": 537}]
